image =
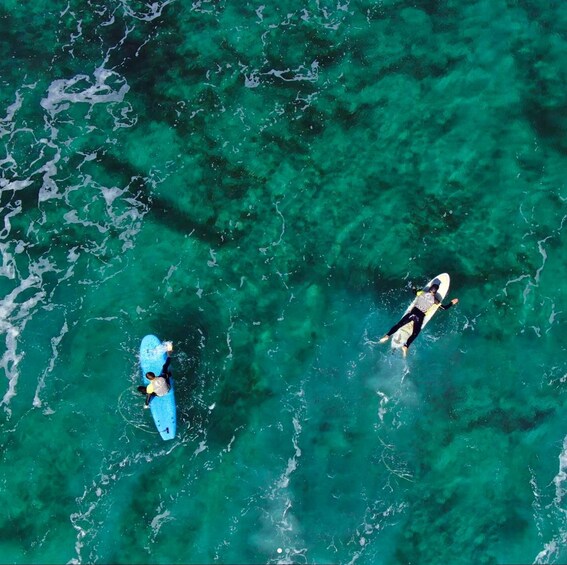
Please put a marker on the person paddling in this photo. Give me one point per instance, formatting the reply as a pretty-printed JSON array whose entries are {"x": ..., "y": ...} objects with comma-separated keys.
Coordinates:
[
  {"x": 159, "y": 386},
  {"x": 424, "y": 302}
]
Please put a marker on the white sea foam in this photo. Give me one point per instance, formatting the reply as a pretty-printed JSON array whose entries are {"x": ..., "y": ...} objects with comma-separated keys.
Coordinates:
[
  {"x": 559, "y": 541},
  {"x": 377, "y": 517},
  {"x": 49, "y": 188},
  {"x": 543, "y": 253},
  {"x": 104, "y": 86},
  {"x": 19, "y": 263},
  {"x": 55, "y": 343},
  {"x": 561, "y": 476},
  {"x": 382, "y": 410},
  {"x": 159, "y": 520},
  {"x": 10, "y": 211},
  {"x": 14, "y": 316},
  {"x": 280, "y": 526},
  {"x": 154, "y": 10},
  {"x": 301, "y": 73},
  {"x": 10, "y": 113}
]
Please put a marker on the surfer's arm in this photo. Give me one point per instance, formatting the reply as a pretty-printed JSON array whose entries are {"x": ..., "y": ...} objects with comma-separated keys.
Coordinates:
[
  {"x": 447, "y": 306},
  {"x": 165, "y": 370},
  {"x": 166, "y": 365}
]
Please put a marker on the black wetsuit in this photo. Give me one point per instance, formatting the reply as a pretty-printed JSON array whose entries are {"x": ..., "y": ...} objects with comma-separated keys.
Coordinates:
[
  {"x": 416, "y": 316},
  {"x": 166, "y": 374}
]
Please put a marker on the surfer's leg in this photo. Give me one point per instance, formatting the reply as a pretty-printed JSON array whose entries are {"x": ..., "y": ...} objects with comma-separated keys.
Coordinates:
[
  {"x": 417, "y": 323},
  {"x": 407, "y": 318}
]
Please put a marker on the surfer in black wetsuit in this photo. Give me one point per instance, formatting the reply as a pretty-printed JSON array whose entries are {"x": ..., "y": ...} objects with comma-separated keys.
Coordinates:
[
  {"x": 424, "y": 301},
  {"x": 159, "y": 386}
]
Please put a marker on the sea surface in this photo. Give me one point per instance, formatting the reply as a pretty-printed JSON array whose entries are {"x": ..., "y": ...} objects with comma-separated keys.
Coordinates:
[{"x": 262, "y": 183}]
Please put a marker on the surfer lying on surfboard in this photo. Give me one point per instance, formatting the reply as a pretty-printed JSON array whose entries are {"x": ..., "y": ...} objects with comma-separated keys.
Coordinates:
[
  {"x": 159, "y": 386},
  {"x": 423, "y": 303}
]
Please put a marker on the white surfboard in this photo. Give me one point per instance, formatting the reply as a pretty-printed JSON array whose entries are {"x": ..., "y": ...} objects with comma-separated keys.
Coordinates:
[{"x": 402, "y": 335}]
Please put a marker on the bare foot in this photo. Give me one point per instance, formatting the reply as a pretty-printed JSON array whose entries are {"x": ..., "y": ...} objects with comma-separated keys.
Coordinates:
[{"x": 384, "y": 339}]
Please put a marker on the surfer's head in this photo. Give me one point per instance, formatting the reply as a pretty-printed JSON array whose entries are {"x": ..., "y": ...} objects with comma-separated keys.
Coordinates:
[
  {"x": 434, "y": 288},
  {"x": 150, "y": 375}
]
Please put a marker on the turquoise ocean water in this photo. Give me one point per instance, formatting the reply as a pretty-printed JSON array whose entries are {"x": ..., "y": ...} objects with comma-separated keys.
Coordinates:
[{"x": 261, "y": 183}]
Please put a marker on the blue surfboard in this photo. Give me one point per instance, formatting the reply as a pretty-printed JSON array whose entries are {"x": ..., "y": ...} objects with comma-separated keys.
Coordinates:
[{"x": 152, "y": 358}]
